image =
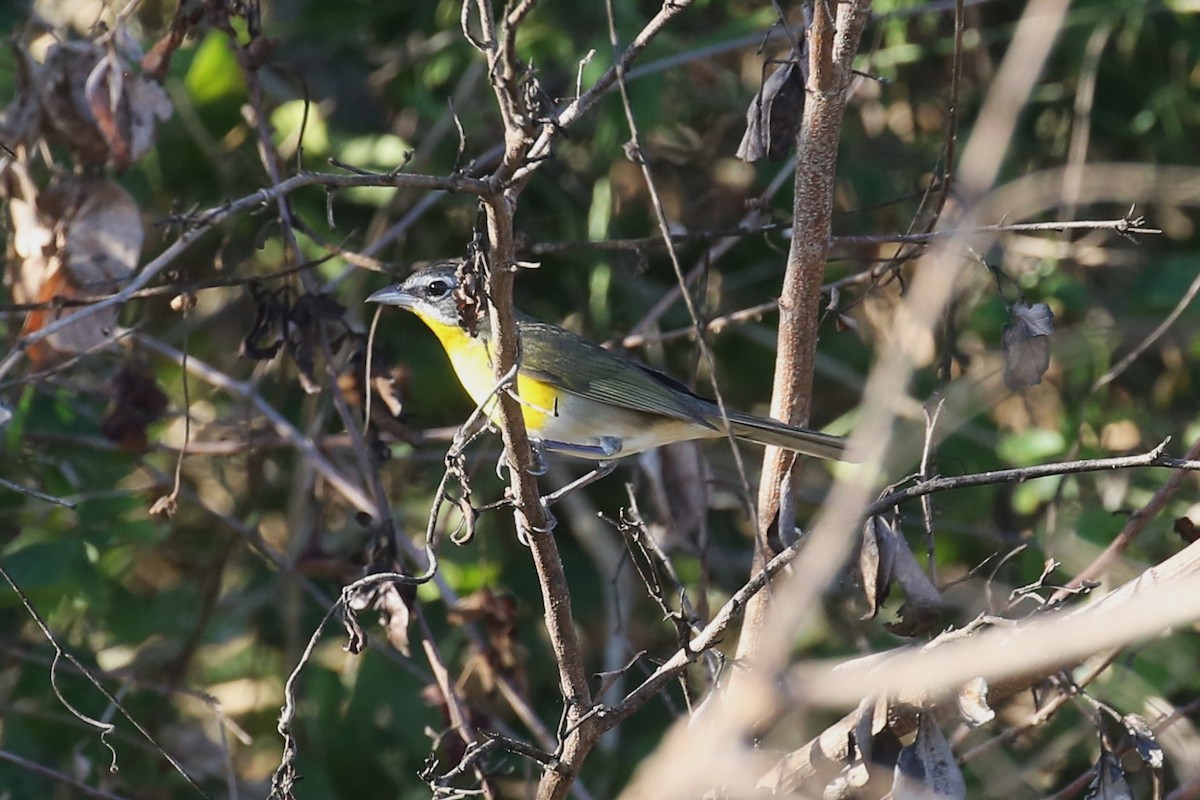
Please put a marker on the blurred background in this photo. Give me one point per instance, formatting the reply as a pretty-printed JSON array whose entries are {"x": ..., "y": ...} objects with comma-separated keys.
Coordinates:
[{"x": 196, "y": 619}]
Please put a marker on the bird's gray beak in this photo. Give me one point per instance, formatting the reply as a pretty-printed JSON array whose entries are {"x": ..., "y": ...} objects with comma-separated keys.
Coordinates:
[{"x": 392, "y": 296}]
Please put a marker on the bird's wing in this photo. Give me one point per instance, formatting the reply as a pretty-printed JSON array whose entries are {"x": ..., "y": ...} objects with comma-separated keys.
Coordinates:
[{"x": 574, "y": 364}]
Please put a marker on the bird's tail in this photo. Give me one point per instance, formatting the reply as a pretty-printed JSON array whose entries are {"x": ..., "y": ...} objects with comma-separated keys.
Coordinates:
[{"x": 790, "y": 437}]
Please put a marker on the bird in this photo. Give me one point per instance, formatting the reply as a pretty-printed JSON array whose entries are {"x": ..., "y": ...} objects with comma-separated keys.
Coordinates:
[{"x": 577, "y": 398}]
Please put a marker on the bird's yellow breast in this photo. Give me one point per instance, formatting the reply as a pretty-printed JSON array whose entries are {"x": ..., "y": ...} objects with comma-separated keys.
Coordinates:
[{"x": 472, "y": 362}]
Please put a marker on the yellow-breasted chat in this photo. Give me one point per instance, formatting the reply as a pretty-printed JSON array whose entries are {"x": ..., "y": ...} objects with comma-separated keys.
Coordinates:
[{"x": 578, "y": 398}]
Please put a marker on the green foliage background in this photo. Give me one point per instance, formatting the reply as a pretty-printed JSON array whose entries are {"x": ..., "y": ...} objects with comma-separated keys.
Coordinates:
[{"x": 175, "y": 612}]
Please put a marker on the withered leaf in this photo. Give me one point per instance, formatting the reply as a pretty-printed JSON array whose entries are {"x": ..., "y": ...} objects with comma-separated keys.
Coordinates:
[
  {"x": 470, "y": 296},
  {"x": 1109, "y": 783},
  {"x": 973, "y": 704},
  {"x": 1143, "y": 739},
  {"x": 265, "y": 337},
  {"x": 1186, "y": 529},
  {"x": 94, "y": 104},
  {"x": 297, "y": 325},
  {"x": 885, "y": 559},
  {"x": 78, "y": 238},
  {"x": 926, "y": 769},
  {"x": 774, "y": 116},
  {"x": 389, "y": 389},
  {"x": 67, "y": 120},
  {"x": 394, "y": 603},
  {"x": 876, "y": 555},
  {"x": 394, "y": 614},
  {"x": 1026, "y": 340},
  {"x": 923, "y": 603},
  {"x": 304, "y": 321},
  {"x": 777, "y": 110},
  {"x": 871, "y": 719},
  {"x": 126, "y": 109},
  {"x": 497, "y": 610},
  {"x": 137, "y": 401}
]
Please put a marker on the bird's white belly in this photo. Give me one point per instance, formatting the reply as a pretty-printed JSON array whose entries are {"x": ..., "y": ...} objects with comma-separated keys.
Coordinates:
[{"x": 580, "y": 421}]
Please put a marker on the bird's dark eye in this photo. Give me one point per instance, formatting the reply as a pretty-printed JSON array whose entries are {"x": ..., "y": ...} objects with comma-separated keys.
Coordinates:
[{"x": 437, "y": 289}]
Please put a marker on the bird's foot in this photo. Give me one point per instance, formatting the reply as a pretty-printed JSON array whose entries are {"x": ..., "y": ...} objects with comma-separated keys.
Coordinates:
[
  {"x": 550, "y": 523},
  {"x": 540, "y": 467}
]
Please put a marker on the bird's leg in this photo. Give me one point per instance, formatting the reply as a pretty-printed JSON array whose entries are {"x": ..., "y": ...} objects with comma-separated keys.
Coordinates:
[
  {"x": 606, "y": 447},
  {"x": 605, "y": 450},
  {"x": 603, "y": 469}
]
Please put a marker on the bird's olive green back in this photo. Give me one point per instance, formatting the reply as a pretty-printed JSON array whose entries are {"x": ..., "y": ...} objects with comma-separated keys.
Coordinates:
[{"x": 579, "y": 366}]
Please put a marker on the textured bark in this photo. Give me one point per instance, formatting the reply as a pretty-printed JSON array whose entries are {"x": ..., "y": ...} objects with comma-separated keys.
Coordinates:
[{"x": 832, "y": 49}]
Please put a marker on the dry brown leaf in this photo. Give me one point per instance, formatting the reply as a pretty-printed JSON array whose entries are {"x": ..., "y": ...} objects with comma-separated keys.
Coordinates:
[
  {"x": 1144, "y": 741},
  {"x": 885, "y": 559},
  {"x": 973, "y": 704},
  {"x": 136, "y": 402},
  {"x": 774, "y": 116},
  {"x": 80, "y": 238},
  {"x": 93, "y": 104}
]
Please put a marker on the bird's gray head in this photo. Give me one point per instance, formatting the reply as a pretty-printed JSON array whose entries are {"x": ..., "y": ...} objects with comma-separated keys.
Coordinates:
[{"x": 430, "y": 293}]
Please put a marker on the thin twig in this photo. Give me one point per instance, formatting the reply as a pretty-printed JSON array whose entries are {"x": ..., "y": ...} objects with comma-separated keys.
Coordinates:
[
  {"x": 58, "y": 777},
  {"x": 635, "y": 152},
  {"x": 1137, "y": 522},
  {"x": 105, "y": 728},
  {"x": 1152, "y": 458},
  {"x": 283, "y": 427},
  {"x": 710, "y": 636},
  {"x": 49, "y": 498}
]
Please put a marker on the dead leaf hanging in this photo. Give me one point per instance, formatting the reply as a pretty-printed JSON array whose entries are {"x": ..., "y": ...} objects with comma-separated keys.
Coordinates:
[
  {"x": 1027, "y": 345},
  {"x": 1109, "y": 783},
  {"x": 774, "y": 116},
  {"x": 926, "y": 769}
]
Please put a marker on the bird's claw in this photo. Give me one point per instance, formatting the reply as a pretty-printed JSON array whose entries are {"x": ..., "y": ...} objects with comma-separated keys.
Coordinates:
[
  {"x": 551, "y": 522},
  {"x": 540, "y": 467}
]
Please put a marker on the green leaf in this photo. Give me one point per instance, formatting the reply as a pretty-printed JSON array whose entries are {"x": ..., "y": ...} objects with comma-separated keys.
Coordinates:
[
  {"x": 214, "y": 73},
  {"x": 1031, "y": 447}
]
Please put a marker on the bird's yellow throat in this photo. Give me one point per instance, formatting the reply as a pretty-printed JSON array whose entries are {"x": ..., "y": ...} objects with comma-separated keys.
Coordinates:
[{"x": 472, "y": 362}]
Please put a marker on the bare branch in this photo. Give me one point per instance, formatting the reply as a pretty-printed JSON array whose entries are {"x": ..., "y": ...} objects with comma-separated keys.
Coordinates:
[
  {"x": 1153, "y": 458},
  {"x": 1016, "y": 657},
  {"x": 833, "y": 44}
]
